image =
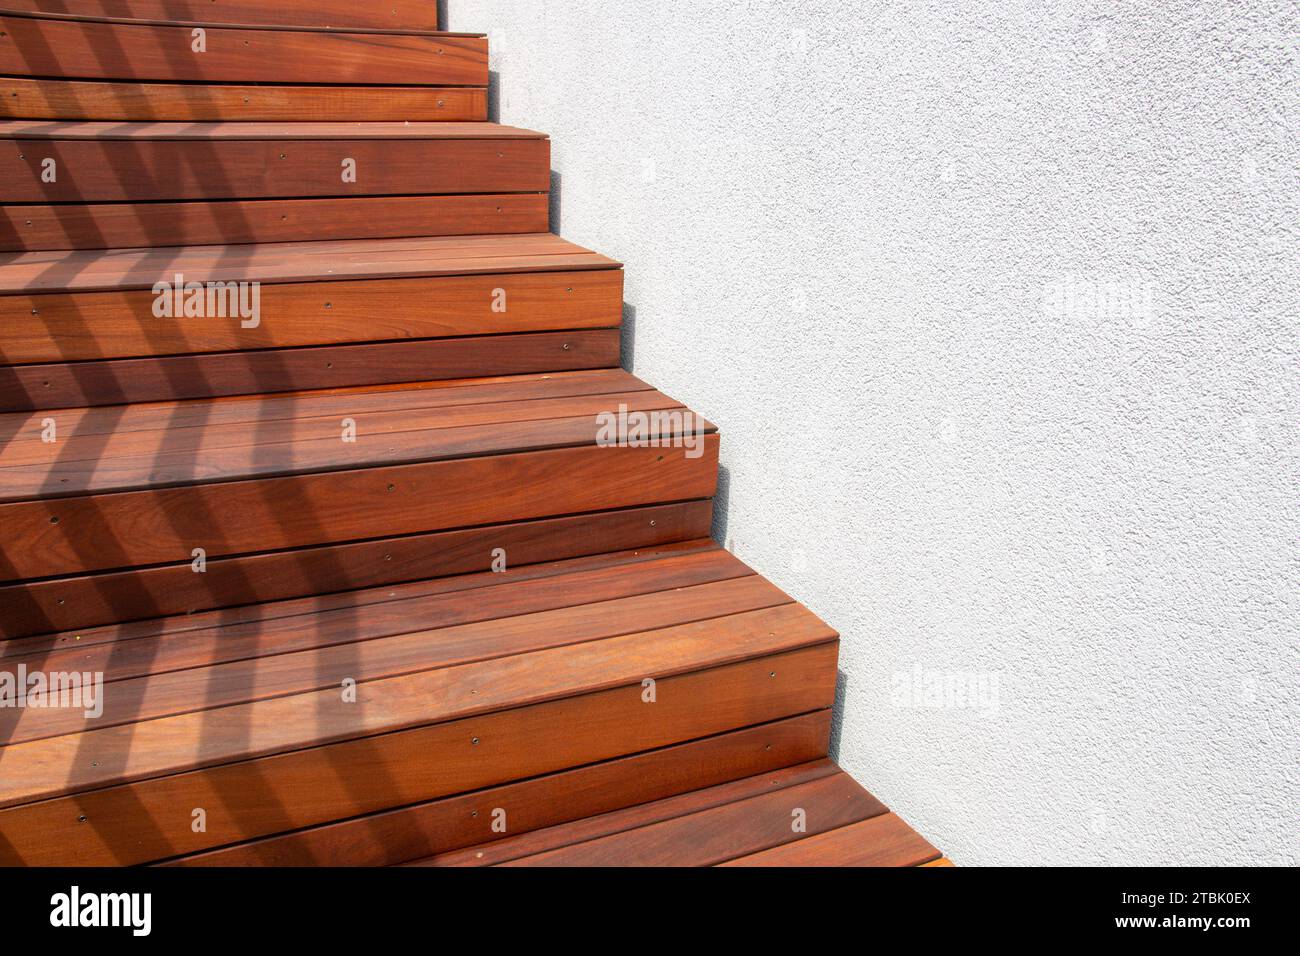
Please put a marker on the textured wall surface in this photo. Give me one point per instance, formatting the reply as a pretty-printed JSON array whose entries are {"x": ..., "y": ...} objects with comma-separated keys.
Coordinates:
[{"x": 996, "y": 307}]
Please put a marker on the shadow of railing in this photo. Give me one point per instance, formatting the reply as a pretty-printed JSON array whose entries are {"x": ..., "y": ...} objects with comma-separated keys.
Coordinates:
[{"x": 96, "y": 543}]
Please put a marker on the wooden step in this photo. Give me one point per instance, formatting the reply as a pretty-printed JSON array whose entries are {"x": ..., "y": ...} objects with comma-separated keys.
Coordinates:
[
  {"x": 27, "y": 228},
  {"x": 80, "y": 328},
  {"x": 880, "y": 841},
  {"x": 396, "y": 434},
  {"x": 23, "y": 98},
  {"x": 153, "y": 664},
  {"x": 362, "y": 576},
  {"x": 72, "y": 606},
  {"x": 70, "y": 48},
  {"x": 390, "y": 465},
  {"x": 93, "y": 162},
  {"x": 452, "y": 823},
  {"x": 91, "y": 305},
  {"x": 322, "y": 14},
  {"x": 457, "y": 690},
  {"x": 812, "y": 814}
]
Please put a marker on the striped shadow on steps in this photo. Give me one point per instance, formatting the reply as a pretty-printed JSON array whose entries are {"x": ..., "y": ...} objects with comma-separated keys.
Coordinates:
[{"x": 358, "y": 576}]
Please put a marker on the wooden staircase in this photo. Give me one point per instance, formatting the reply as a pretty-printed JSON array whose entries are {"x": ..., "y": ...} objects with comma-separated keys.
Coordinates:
[{"x": 304, "y": 452}]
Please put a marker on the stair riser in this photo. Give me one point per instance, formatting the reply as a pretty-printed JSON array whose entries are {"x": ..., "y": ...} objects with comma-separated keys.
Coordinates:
[
  {"x": 100, "y": 532},
  {"x": 117, "y": 51},
  {"x": 86, "y": 602},
  {"x": 152, "y": 819},
  {"x": 90, "y": 171},
  {"x": 28, "y": 387},
  {"x": 137, "y": 225},
  {"x": 108, "y": 325},
  {"x": 159, "y": 102},
  {"x": 385, "y": 14},
  {"x": 456, "y": 822}
]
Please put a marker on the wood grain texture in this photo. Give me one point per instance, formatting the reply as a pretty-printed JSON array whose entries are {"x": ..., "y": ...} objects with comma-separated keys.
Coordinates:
[
  {"x": 880, "y": 841},
  {"x": 141, "y": 460},
  {"x": 336, "y": 14},
  {"x": 91, "y": 435},
  {"x": 531, "y": 622},
  {"x": 71, "y": 327},
  {"x": 47, "y": 47},
  {"x": 312, "y": 447},
  {"x": 49, "y": 768},
  {"x": 720, "y": 833},
  {"x": 159, "y": 646},
  {"x": 123, "y": 269},
  {"x": 322, "y": 604},
  {"x": 140, "y": 821},
  {"x": 31, "y": 131},
  {"x": 130, "y": 225},
  {"x": 80, "y": 603},
  {"x": 20, "y": 429},
  {"x": 497, "y": 850},
  {"x": 443, "y": 826},
  {"x": 77, "y": 100},
  {"x": 101, "y": 532},
  {"x": 105, "y": 170},
  {"x": 171, "y": 378}
]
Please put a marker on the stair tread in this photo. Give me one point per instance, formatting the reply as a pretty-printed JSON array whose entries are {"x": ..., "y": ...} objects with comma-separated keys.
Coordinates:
[
  {"x": 239, "y": 130},
  {"x": 91, "y": 270},
  {"x": 163, "y": 667},
  {"x": 428, "y": 653},
  {"x": 150, "y": 416},
  {"x": 391, "y": 426},
  {"x": 228, "y": 24},
  {"x": 737, "y": 823},
  {"x": 295, "y": 14},
  {"x": 884, "y": 840}
]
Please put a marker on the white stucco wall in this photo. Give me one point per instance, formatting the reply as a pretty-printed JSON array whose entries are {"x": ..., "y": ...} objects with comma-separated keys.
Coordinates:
[{"x": 996, "y": 307}]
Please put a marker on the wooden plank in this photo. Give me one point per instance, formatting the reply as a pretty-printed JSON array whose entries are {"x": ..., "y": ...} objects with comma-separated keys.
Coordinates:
[
  {"x": 21, "y": 429},
  {"x": 446, "y": 825},
  {"x": 335, "y": 14},
  {"x": 721, "y": 833},
  {"x": 514, "y": 627},
  {"x": 881, "y": 841},
  {"x": 74, "y": 100},
  {"x": 69, "y": 327},
  {"x": 151, "y": 819},
  {"x": 702, "y": 797},
  {"x": 123, "y": 651},
  {"x": 66, "y": 604},
  {"x": 129, "y": 225},
  {"x": 46, "y": 47},
  {"x": 267, "y": 613},
  {"x": 133, "y": 171},
  {"x": 138, "y": 459},
  {"x": 35, "y": 131},
  {"x": 940, "y": 862},
  {"x": 49, "y": 768},
  {"x": 102, "y": 532},
  {"x": 308, "y": 448},
  {"x": 170, "y": 378},
  {"x": 122, "y": 269}
]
